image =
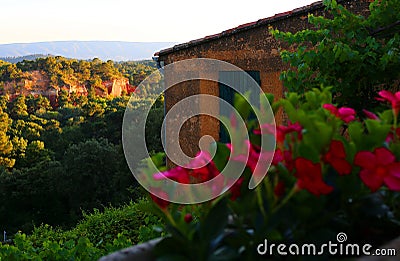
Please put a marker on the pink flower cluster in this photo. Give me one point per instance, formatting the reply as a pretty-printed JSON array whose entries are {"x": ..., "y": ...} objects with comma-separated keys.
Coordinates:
[{"x": 377, "y": 168}]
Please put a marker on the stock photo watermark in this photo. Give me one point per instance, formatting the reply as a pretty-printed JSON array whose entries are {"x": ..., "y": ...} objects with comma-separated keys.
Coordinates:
[
  {"x": 200, "y": 104},
  {"x": 334, "y": 248}
]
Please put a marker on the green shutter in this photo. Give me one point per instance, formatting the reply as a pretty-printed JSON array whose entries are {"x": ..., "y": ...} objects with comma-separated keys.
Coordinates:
[{"x": 241, "y": 82}]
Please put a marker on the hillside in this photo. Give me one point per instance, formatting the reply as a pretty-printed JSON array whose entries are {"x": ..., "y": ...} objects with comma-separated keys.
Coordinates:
[
  {"x": 18, "y": 59},
  {"x": 104, "y": 50},
  {"x": 51, "y": 76}
]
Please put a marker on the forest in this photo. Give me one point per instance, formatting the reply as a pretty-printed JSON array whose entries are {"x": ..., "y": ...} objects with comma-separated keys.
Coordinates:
[{"x": 59, "y": 162}]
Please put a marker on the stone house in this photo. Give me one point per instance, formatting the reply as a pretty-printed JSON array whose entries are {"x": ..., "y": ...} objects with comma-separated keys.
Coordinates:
[{"x": 250, "y": 47}]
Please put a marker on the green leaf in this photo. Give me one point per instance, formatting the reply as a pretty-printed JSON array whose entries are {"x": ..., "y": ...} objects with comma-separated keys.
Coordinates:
[
  {"x": 241, "y": 105},
  {"x": 395, "y": 148},
  {"x": 270, "y": 98},
  {"x": 221, "y": 156},
  {"x": 290, "y": 110},
  {"x": 158, "y": 159},
  {"x": 293, "y": 98},
  {"x": 386, "y": 116},
  {"x": 308, "y": 152},
  {"x": 215, "y": 221},
  {"x": 377, "y": 131},
  {"x": 356, "y": 133}
]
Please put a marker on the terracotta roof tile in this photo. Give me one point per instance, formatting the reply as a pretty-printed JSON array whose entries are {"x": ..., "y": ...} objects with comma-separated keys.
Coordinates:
[
  {"x": 282, "y": 14},
  {"x": 246, "y": 25},
  {"x": 195, "y": 41},
  {"x": 211, "y": 36},
  {"x": 228, "y": 31}
]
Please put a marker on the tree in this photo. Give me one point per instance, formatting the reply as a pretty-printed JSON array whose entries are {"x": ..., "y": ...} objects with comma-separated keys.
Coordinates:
[
  {"x": 31, "y": 196},
  {"x": 19, "y": 149},
  {"x": 27, "y": 129},
  {"x": 94, "y": 174},
  {"x": 63, "y": 98},
  {"x": 94, "y": 107},
  {"x": 37, "y": 104},
  {"x": 352, "y": 53},
  {"x": 35, "y": 153},
  {"x": 19, "y": 108},
  {"x": 3, "y": 102},
  {"x": 5, "y": 142}
]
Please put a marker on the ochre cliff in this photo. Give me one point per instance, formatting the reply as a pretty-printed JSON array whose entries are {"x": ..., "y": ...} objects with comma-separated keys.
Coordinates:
[{"x": 38, "y": 83}]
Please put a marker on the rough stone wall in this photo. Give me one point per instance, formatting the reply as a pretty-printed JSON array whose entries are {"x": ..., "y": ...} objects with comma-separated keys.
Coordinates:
[{"x": 251, "y": 49}]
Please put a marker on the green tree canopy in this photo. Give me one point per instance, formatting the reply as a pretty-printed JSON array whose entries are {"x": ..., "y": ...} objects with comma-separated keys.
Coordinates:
[
  {"x": 6, "y": 146},
  {"x": 355, "y": 54}
]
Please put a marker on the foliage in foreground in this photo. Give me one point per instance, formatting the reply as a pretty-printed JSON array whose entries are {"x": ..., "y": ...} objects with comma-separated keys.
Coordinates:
[
  {"x": 96, "y": 235},
  {"x": 346, "y": 180}
]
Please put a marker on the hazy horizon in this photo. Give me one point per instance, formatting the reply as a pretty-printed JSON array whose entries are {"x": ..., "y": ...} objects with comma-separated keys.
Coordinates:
[
  {"x": 104, "y": 50},
  {"x": 129, "y": 21},
  {"x": 63, "y": 41}
]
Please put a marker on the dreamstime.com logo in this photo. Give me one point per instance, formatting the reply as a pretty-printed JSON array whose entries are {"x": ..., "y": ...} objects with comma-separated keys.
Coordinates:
[
  {"x": 340, "y": 247},
  {"x": 191, "y": 74}
]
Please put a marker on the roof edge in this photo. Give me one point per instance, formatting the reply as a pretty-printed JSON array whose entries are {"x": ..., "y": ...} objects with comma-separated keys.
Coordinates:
[{"x": 244, "y": 27}]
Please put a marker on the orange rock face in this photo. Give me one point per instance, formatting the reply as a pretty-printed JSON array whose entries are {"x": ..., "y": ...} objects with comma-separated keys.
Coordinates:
[{"x": 38, "y": 83}]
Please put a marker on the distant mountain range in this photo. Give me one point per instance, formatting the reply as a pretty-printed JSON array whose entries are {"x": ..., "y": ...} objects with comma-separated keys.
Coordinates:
[{"x": 104, "y": 50}]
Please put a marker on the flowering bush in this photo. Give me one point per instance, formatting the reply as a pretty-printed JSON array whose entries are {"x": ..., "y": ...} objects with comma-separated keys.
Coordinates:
[{"x": 333, "y": 171}]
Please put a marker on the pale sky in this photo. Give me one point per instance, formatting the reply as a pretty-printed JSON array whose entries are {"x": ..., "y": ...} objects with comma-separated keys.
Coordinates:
[{"x": 24, "y": 21}]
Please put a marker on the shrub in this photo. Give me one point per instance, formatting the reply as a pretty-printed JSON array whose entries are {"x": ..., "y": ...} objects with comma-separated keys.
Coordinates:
[
  {"x": 332, "y": 171},
  {"x": 98, "y": 234},
  {"x": 356, "y": 55}
]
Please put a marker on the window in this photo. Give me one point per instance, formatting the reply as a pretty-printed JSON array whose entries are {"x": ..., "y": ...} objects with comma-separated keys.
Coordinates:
[{"x": 242, "y": 82}]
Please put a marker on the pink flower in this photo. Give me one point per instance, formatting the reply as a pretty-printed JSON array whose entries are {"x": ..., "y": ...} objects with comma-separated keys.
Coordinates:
[
  {"x": 309, "y": 177},
  {"x": 278, "y": 157},
  {"x": 282, "y": 131},
  {"x": 202, "y": 168},
  {"x": 177, "y": 174},
  {"x": 251, "y": 160},
  {"x": 336, "y": 157},
  {"x": 288, "y": 160},
  {"x": 162, "y": 203},
  {"x": 279, "y": 189},
  {"x": 256, "y": 156},
  {"x": 393, "y": 98},
  {"x": 267, "y": 127},
  {"x": 235, "y": 189},
  {"x": 293, "y": 127},
  {"x": 344, "y": 113},
  {"x": 378, "y": 168},
  {"x": 199, "y": 170},
  {"x": 283, "y": 157},
  {"x": 296, "y": 127},
  {"x": 370, "y": 115},
  {"x": 392, "y": 134}
]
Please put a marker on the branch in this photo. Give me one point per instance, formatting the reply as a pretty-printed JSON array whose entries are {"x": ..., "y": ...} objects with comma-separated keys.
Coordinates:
[{"x": 381, "y": 29}]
